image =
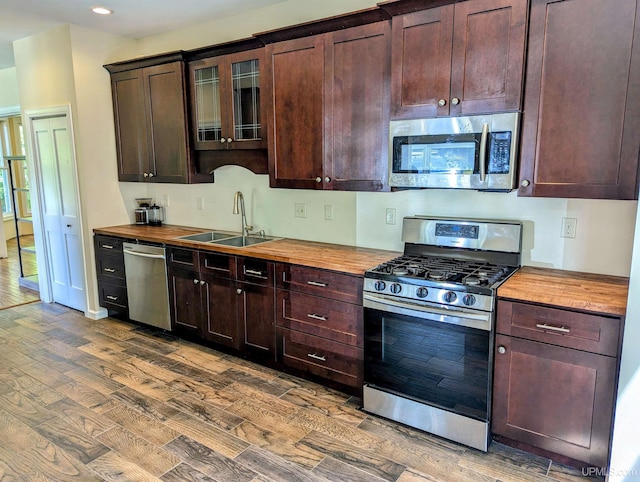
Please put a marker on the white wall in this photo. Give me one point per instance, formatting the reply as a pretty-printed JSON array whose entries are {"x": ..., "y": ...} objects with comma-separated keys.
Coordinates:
[{"x": 9, "y": 99}]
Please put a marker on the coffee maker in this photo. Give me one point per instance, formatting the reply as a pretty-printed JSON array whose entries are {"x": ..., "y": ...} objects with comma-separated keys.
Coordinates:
[
  {"x": 141, "y": 213},
  {"x": 155, "y": 215}
]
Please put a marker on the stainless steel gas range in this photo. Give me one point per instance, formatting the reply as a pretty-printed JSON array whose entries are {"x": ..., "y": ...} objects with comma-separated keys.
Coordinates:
[{"x": 429, "y": 325}]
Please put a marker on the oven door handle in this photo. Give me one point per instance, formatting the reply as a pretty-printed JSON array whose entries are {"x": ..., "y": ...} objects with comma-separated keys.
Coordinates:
[
  {"x": 483, "y": 152},
  {"x": 454, "y": 317}
]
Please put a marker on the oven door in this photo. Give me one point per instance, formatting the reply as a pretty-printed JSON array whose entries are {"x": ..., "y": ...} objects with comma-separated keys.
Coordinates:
[{"x": 430, "y": 355}]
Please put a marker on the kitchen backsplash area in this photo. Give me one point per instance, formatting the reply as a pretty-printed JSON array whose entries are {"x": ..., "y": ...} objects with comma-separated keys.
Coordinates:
[{"x": 602, "y": 244}]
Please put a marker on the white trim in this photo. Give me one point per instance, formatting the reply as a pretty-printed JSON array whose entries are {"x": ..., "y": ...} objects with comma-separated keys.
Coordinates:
[
  {"x": 96, "y": 315},
  {"x": 36, "y": 206},
  {"x": 10, "y": 111}
]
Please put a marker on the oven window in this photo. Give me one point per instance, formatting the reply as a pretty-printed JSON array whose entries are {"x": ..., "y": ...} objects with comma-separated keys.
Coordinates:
[
  {"x": 440, "y": 364},
  {"x": 436, "y": 154}
]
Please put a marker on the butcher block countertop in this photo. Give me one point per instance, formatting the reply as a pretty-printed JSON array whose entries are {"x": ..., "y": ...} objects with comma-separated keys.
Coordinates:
[
  {"x": 346, "y": 259},
  {"x": 567, "y": 289}
]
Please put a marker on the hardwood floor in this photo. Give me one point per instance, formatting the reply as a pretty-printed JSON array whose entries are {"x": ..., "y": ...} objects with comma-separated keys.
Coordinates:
[
  {"x": 108, "y": 400},
  {"x": 11, "y": 294}
]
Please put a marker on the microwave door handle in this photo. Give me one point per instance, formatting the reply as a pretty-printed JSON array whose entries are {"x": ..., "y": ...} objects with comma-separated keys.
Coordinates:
[{"x": 483, "y": 152}]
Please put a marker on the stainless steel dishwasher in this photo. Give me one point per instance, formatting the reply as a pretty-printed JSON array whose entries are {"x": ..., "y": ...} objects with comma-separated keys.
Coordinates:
[{"x": 146, "y": 274}]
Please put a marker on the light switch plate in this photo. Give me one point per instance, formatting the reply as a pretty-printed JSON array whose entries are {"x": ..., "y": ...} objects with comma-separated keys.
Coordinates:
[
  {"x": 391, "y": 216},
  {"x": 328, "y": 212},
  {"x": 300, "y": 210}
]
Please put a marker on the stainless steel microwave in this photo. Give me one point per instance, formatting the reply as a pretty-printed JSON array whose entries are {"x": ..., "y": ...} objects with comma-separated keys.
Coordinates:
[{"x": 473, "y": 152}]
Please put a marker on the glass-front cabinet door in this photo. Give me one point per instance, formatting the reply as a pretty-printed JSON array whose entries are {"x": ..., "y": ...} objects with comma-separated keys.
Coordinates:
[{"x": 228, "y": 110}]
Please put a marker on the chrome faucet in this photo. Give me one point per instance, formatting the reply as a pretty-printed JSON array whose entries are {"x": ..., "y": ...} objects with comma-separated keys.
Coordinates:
[{"x": 238, "y": 199}]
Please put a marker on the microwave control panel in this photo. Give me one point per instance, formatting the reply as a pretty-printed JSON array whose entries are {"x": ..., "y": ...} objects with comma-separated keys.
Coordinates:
[{"x": 499, "y": 149}]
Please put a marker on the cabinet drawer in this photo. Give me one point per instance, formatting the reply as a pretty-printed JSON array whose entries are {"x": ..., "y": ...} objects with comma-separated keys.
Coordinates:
[
  {"x": 218, "y": 264},
  {"x": 107, "y": 245},
  {"x": 112, "y": 295},
  {"x": 592, "y": 333},
  {"x": 335, "y": 320},
  {"x": 182, "y": 258},
  {"x": 256, "y": 271},
  {"x": 318, "y": 356},
  {"x": 111, "y": 268},
  {"x": 328, "y": 284}
]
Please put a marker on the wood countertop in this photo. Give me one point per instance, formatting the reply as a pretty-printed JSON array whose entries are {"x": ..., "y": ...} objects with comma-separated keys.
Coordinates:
[
  {"x": 346, "y": 259},
  {"x": 568, "y": 289}
]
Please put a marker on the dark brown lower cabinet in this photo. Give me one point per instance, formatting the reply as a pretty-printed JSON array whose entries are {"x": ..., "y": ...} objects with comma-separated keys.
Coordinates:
[
  {"x": 184, "y": 302},
  {"x": 256, "y": 313},
  {"x": 549, "y": 395},
  {"x": 220, "y": 311}
]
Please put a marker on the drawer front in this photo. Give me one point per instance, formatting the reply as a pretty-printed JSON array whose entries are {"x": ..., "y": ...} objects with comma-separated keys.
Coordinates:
[
  {"x": 111, "y": 268},
  {"x": 217, "y": 264},
  {"x": 107, "y": 244},
  {"x": 256, "y": 271},
  {"x": 335, "y": 320},
  {"x": 181, "y": 258},
  {"x": 113, "y": 295},
  {"x": 328, "y": 284},
  {"x": 318, "y": 356},
  {"x": 591, "y": 333}
]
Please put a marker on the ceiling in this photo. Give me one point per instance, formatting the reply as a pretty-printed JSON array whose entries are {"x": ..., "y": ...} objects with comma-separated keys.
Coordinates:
[{"x": 131, "y": 18}]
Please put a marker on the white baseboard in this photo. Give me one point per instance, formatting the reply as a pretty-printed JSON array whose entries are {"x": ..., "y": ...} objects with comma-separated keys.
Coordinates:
[{"x": 96, "y": 315}]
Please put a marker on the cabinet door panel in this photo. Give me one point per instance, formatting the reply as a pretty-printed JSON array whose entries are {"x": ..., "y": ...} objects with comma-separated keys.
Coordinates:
[
  {"x": 209, "y": 102},
  {"x": 295, "y": 88},
  {"x": 357, "y": 69},
  {"x": 220, "y": 306},
  {"x": 257, "y": 311},
  {"x": 488, "y": 55},
  {"x": 581, "y": 134},
  {"x": 554, "y": 398},
  {"x": 421, "y": 63},
  {"x": 131, "y": 125},
  {"x": 184, "y": 301},
  {"x": 167, "y": 124}
]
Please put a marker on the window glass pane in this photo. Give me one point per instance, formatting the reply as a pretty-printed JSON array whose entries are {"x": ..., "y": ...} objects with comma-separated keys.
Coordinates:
[{"x": 245, "y": 78}]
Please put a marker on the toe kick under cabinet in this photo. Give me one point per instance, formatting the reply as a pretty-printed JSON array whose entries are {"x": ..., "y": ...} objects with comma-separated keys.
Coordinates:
[
  {"x": 555, "y": 379},
  {"x": 319, "y": 327}
]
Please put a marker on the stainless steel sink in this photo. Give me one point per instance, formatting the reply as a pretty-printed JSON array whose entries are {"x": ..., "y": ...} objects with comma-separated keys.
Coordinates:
[
  {"x": 208, "y": 237},
  {"x": 242, "y": 241}
]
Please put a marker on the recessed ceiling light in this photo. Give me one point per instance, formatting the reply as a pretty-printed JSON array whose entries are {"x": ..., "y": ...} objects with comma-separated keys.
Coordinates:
[{"x": 101, "y": 10}]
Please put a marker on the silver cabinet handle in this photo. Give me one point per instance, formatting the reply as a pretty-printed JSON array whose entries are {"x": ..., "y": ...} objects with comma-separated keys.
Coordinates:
[
  {"x": 317, "y": 357},
  {"x": 229, "y": 140},
  {"x": 109, "y": 270},
  {"x": 559, "y": 329},
  {"x": 254, "y": 272},
  {"x": 318, "y": 179},
  {"x": 202, "y": 281},
  {"x": 455, "y": 101},
  {"x": 316, "y": 317},
  {"x": 223, "y": 140},
  {"x": 146, "y": 174},
  {"x": 196, "y": 281},
  {"x": 112, "y": 298},
  {"x": 442, "y": 102},
  {"x": 107, "y": 246},
  {"x": 317, "y": 283},
  {"x": 525, "y": 183},
  {"x": 327, "y": 179},
  {"x": 239, "y": 291},
  {"x": 151, "y": 174},
  {"x": 483, "y": 152}
]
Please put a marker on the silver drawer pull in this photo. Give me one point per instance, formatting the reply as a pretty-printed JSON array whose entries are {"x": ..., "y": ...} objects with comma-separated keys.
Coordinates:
[
  {"x": 560, "y": 329},
  {"x": 109, "y": 270},
  {"x": 316, "y": 283},
  {"x": 316, "y": 317},
  {"x": 107, "y": 246},
  {"x": 112, "y": 298},
  {"x": 317, "y": 357},
  {"x": 253, "y": 272}
]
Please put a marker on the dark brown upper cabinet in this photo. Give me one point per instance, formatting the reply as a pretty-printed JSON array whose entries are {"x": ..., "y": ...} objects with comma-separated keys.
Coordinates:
[
  {"x": 149, "y": 105},
  {"x": 226, "y": 103},
  {"x": 581, "y": 123},
  {"x": 458, "y": 59},
  {"x": 330, "y": 95}
]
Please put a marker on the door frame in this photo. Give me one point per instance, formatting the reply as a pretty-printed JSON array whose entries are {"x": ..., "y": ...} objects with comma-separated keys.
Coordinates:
[{"x": 42, "y": 252}]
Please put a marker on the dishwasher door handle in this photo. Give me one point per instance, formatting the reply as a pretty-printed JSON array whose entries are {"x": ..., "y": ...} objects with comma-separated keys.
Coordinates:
[{"x": 143, "y": 255}]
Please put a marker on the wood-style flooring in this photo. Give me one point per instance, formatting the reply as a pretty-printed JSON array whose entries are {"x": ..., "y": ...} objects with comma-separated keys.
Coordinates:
[
  {"x": 11, "y": 294},
  {"x": 108, "y": 400}
]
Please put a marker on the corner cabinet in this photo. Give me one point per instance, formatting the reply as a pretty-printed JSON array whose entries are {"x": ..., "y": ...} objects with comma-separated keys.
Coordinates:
[
  {"x": 149, "y": 106},
  {"x": 330, "y": 96},
  {"x": 459, "y": 59},
  {"x": 581, "y": 130},
  {"x": 555, "y": 380}
]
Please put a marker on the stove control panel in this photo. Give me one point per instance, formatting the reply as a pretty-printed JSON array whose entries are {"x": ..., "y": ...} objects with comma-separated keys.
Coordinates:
[{"x": 442, "y": 296}]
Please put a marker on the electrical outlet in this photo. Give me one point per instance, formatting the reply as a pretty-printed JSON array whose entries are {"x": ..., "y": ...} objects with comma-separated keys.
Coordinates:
[
  {"x": 200, "y": 203},
  {"x": 300, "y": 210},
  {"x": 569, "y": 227},
  {"x": 328, "y": 212},
  {"x": 391, "y": 216},
  {"x": 165, "y": 200}
]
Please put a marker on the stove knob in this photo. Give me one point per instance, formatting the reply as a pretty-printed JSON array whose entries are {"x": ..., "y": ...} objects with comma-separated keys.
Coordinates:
[
  {"x": 469, "y": 300},
  {"x": 380, "y": 285},
  {"x": 395, "y": 288},
  {"x": 450, "y": 297},
  {"x": 422, "y": 292}
]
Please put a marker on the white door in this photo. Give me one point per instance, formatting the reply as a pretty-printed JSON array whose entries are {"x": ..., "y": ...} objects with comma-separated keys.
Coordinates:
[{"x": 59, "y": 210}]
